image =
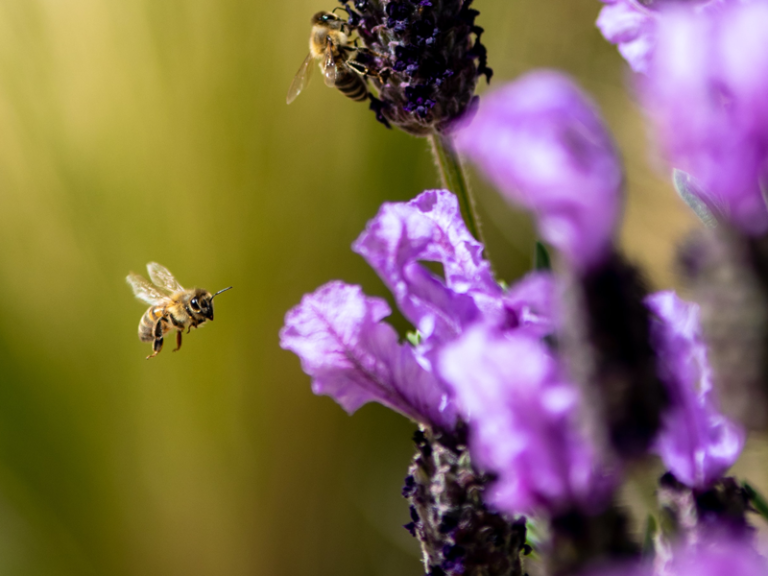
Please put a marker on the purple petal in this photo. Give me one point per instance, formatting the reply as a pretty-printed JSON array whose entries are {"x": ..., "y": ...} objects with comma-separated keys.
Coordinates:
[
  {"x": 430, "y": 228},
  {"x": 633, "y": 28},
  {"x": 541, "y": 141},
  {"x": 697, "y": 443},
  {"x": 522, "y": 421},
  {"x": 530, "y": 305},
  {"x": 707, "y": 93},
  {"x": 355, "y": 358}
]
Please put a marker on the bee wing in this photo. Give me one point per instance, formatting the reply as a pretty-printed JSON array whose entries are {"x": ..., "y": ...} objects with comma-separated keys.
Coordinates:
[
  {"x": 162, "y": 277},
  {"x": 330, "y": 70},
  {"x": 143, "y": 290},
  {"x": 301, "y": 79}
]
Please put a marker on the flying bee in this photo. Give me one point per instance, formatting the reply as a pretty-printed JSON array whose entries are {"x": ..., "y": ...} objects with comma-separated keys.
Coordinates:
[
  {"x": 172, "y": 307},
  {"x": 329, "y": 44}
]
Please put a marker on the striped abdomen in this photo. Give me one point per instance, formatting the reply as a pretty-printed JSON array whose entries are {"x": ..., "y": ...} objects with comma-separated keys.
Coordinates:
[
  {"x": 149, "y": 321},
  {"x": 351, "y": 84}
]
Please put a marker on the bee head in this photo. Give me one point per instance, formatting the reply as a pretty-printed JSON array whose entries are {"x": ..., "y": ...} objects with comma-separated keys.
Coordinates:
[
  {"x": 201, "y": 302},
  {"x": 328, "y": 19}
]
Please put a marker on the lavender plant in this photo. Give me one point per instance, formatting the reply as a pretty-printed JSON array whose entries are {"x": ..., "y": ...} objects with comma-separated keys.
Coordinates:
[{"x": 532, "y": 400}]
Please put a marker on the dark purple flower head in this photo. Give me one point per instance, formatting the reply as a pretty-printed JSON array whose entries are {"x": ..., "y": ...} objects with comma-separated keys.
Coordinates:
[
  {"x": 541, "y": 141},
  {"x": 633, "y": 25},
  {"x": 355, "y": 358},
  {"x": 521, "y": 413},
  {"x": 428, "y": 54},
  {"x": 697, "y": 443},
  {"x": 707, "y": 93}
]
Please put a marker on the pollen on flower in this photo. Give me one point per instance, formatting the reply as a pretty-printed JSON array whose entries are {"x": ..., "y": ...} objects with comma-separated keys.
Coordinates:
[{"x": 427, "y": 56}]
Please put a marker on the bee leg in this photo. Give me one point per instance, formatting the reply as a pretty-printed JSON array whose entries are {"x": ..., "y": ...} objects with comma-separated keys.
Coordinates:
[
  {"x": 178, "y": 341},
  {"x": 156, "y": 347},
  {"x": 364, "y": 50},
  {"x": 158, "y": 329},
  {"x": 366, "y": 72},
  {"x": 358, "y": 67}
]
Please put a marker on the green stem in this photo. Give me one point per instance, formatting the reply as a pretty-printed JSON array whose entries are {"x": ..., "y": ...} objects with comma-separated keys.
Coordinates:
[
  {"x": 757, "y": 500},
  {"x": 452, "y": 175}
]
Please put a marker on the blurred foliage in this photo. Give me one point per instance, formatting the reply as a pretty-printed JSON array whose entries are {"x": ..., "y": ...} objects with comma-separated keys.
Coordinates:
[{"x": 158, "y": 130}]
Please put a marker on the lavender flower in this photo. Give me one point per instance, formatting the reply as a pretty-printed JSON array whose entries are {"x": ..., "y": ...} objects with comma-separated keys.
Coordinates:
[
  {"x": 355, "y": 358},
  {"x": 543, "y": 144},
  {"x": 633, "y": 25},
  {"x": 427, "y": 59},
  {"x": 706, "y": 92},
  {"x": 521, "y": 413},
  {"x": 697, "y": 443}
]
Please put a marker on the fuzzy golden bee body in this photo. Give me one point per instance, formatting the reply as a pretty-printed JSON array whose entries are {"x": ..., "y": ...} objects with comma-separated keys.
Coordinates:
[
  {"x": 172, "y": 307},
  {"x": 329, "y": 45}
]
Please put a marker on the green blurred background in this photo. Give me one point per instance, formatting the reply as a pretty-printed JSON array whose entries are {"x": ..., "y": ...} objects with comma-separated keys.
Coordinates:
[{"x": 143, "y": 130}]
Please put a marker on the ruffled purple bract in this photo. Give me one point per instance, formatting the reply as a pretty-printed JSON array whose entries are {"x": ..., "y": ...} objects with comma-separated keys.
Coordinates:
[
  {"x": 355, "y": 358},
  {"x": 542, "y": 142},
  {"x": 522, "y": 414},
  {"x": 430, "y": 228},
  {"x": 697, "y": 443}
]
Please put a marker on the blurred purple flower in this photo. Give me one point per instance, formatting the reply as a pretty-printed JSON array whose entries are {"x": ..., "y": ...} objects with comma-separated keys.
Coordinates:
[
  {"x": 710, "y": 556},
  {"x": 522, "y": 416},
  {"x": 707, "y": 93},
  {"x": 355, "y": 358},
  {"x": 697, "y": 443},
  {"x": 542, "y": 142},
  {"x": 633, "y": 25},
  {"x": 716, "y": 557}
]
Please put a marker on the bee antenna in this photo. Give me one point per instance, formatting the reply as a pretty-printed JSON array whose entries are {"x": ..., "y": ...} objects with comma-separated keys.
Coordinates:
[
  {"x": 220, "y": 291},
  {"x": 340, "y": 8}
]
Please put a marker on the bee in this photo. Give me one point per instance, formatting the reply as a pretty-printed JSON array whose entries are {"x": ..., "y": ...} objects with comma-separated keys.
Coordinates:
[
  {"x": 330, "y": 45},
  {"x": 172, "y": 307}
]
